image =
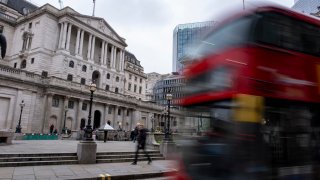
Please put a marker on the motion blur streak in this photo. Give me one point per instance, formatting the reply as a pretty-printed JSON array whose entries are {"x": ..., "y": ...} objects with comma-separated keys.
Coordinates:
[{"x": 255, "y": 84}]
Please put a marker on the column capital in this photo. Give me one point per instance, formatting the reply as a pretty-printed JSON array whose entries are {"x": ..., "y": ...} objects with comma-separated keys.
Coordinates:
[{"x": 50, "y": 94}]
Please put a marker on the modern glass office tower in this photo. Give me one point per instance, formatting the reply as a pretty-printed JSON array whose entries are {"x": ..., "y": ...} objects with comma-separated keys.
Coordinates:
[
  {"x": 306, "y": 6},
  {"x": 184, "y": 36}
]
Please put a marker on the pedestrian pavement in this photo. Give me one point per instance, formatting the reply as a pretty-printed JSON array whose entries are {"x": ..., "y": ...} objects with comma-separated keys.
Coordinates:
[
  {"x": 89, "y": 171},
  {"x": 62, "y": 146},
  {"x": 80, "y": 171}
]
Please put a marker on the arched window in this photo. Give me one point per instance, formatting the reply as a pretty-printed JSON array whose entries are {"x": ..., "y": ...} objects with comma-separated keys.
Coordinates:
[
  {"x": 69, "y": 77},
  {"x": 107, "y": 87},
  {"x": 71, "y": 64},
  {"x": 23, "y": 64},
  {"x": 116, "y": 90},
  {"x": 108, "y": 76},
  {"x": 117, "y": 79},
  {"x": 84, "y": 68}
]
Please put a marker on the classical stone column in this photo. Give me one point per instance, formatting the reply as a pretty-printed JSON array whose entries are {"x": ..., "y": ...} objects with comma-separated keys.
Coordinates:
[
  {"x": 48, "y": 113},
  {"x": 102, "y": 53},
  {"x": 78, "y": 40},
  {"x": 115, "y": 116},
  {"x": 61, "y": 35},
  {"x": 60, "y": 123},
  {"x": 69, "y": 36},
  {"x": 76, "y": 124},
  {"x": 105, "y": 114},
  {"x": 135, "y": 118},
  {"x": 81, "y": 42},
  {"x": 121, "y": 60},
  {"x": 115, "y": 66},
  {"x": 105, "y": 57},
  {"x": 65, "y": 26},
  {"x": 124, "y": 121},
  {"x": 111, "y": 57},
  {"x": 89, "y": 46},
  {"x": 93, "y": 47}
]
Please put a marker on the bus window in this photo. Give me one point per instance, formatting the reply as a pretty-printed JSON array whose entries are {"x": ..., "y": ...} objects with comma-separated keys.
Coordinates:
[
  {"x": 285, "y": 32},
  {"x": 233, "y": 34}
]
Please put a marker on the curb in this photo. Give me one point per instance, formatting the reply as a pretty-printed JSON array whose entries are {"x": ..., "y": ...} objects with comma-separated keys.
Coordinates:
[
  {"x": 132, "y": 176},
  {"x": 136, "y": 176}
]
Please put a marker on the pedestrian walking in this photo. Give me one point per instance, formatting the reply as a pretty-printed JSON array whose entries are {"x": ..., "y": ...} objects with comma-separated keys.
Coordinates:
[
  {"x": 135, "y": 132},
  {"x": 141, "y": 138}
]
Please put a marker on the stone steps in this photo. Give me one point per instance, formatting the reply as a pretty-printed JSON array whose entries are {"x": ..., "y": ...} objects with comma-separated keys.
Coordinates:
[
  {"x": 37, "y": 163},
  {"x": 113, "y": 157},
  {"x": 13, "y": 160},
  {"x": 127, "y": 159},
  {"x": 125, "y": 156},
  {"x": 21, "y": 159}
]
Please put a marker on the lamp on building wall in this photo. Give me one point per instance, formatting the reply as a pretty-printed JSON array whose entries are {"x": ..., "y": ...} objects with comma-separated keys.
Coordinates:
[
  {"x": 167, "y": 133},
  {"x": 18, "y": 128},
  {"x": 88, "y": 129},
  {"x": 64, "y": 129}
]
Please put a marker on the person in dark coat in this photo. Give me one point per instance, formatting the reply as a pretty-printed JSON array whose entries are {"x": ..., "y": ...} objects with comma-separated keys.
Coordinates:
[
  {"x": 135, "y": 132},
  {"x": 141, "y": 138},
  {"x": 51, "y": 128}
]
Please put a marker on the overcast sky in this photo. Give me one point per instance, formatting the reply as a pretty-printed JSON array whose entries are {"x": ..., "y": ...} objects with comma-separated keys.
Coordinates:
[{"x": 147, "y": 25}]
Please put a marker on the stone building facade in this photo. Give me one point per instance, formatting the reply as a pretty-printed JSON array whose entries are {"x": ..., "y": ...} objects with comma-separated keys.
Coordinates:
[
  {"x": 135, "y": 78},
  {"x": 52, "y": 57}
]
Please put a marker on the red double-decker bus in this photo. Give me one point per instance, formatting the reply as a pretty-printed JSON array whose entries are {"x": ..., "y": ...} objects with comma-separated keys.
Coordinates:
[{"x": 256, "y": 77}]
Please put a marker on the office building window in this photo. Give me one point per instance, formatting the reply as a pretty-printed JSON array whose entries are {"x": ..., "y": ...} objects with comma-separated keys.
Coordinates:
[
  {"x": 83, "y": 81},
  {"x": 23, "y": 64},
  {"x": 70, "y": 104},
  {"x": 55, "y": 102},
  {"x": 107, "y": 87},
  {"x": 71, "y": 64},
  {"x": 32, "y": 60},
  {"x": 84, "y": 68},
  {"x": 15, "y": 65},
  {"x": 108, "y": 76},
  {"x": 84, "y": 106},
  {"x": 44, "y": 74},
  {"x": 116, "y": 90},
  {"x": 135, "y": 88},
  {"x": 69, "y": 77}
]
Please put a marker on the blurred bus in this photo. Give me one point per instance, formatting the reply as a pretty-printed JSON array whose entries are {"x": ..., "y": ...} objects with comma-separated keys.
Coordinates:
[{"x": 257, "y": 77}]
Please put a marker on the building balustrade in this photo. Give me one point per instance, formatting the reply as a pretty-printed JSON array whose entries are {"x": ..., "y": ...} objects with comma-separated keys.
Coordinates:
[{"x": 26, "y": 76}]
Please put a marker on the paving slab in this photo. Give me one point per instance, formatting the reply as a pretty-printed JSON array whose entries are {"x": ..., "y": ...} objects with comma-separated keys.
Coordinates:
[
  {"x": 62, "y": 146},
  {"x": 90, "y": 171},
  {"x": 80, "y": 171}
]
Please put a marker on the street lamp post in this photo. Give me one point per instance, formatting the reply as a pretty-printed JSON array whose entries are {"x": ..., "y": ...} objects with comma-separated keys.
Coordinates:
[
  {"x": 88, "y": 129},
  {"x": 18, "y": 128},
  {"x": 152, "y": 122},
  {"x": 167, "y": 133},
  {"x": 64, "y": 130}
]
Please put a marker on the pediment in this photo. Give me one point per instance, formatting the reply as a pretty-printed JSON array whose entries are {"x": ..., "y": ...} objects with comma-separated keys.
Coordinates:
[{"x": 101, "y": 25}]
